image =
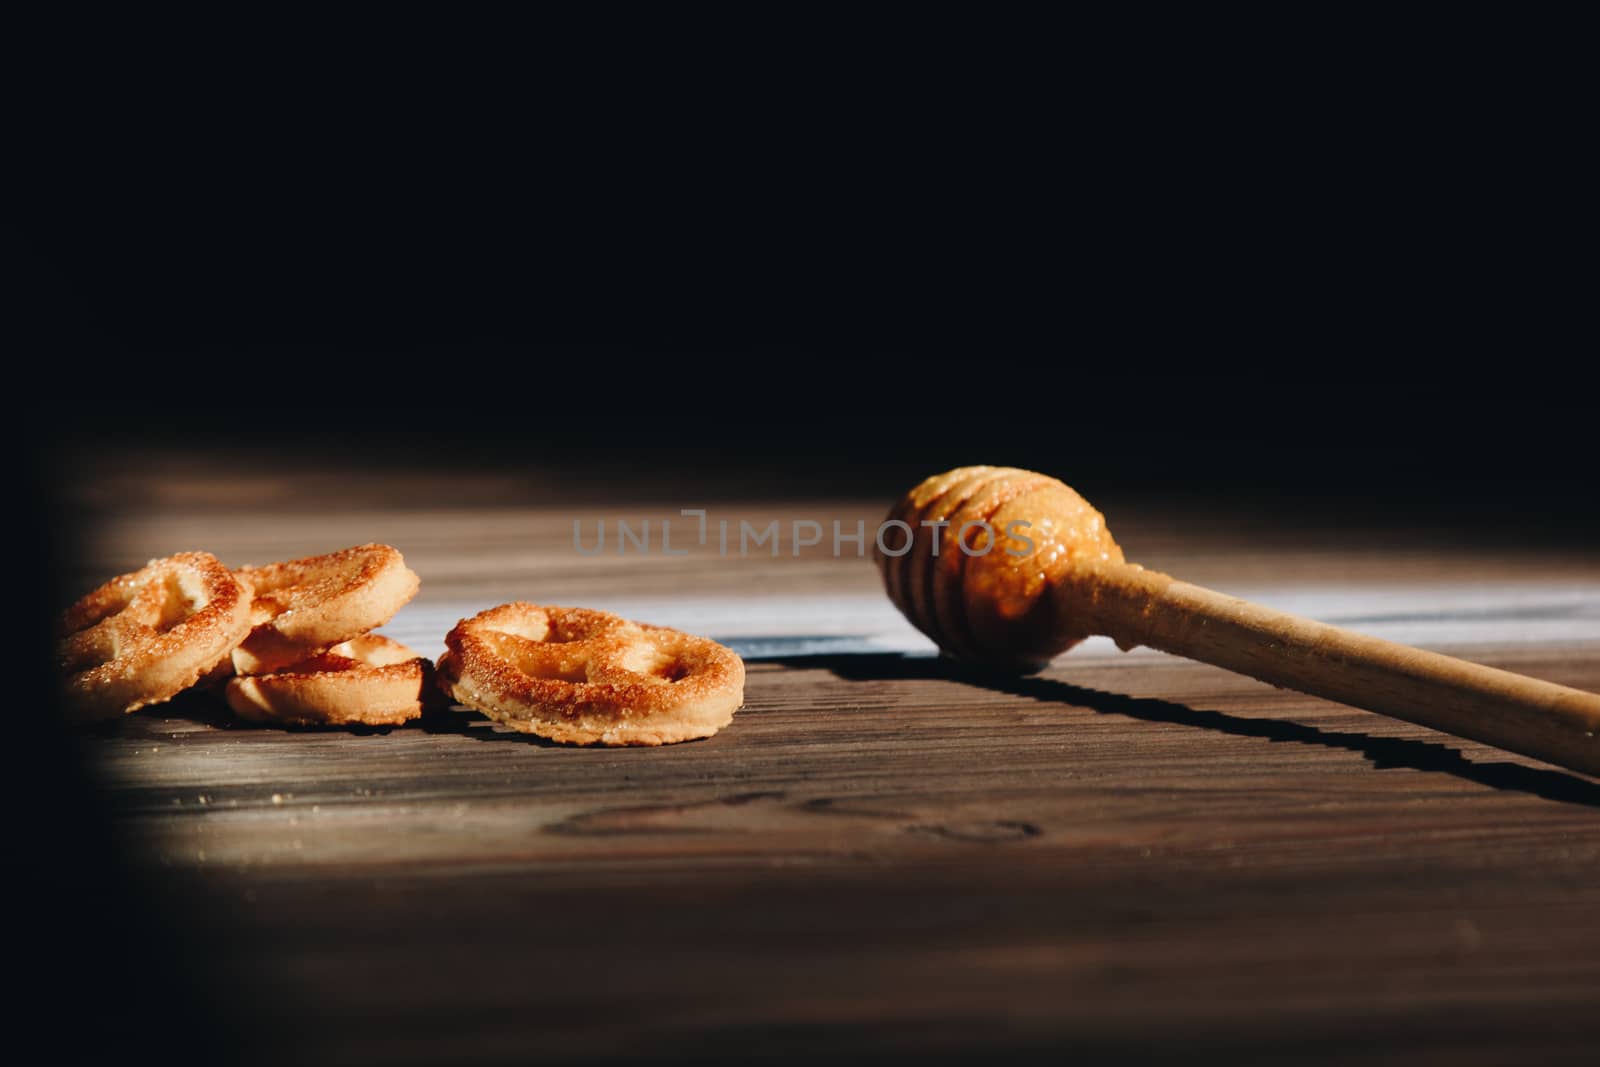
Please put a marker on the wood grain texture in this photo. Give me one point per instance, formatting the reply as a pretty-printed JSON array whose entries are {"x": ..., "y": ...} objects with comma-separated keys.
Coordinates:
[
  {"x": 1514, "y": 712},
  {"x": 1125, "y": 858}
]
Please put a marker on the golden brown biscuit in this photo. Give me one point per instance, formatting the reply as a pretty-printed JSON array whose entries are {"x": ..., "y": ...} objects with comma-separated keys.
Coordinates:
[
  {"x": 306, "y": 606},
  {"x": 590, "y": 677},
  {"x": 147, "y": 636},
  {"x": 369, "y": 681}
]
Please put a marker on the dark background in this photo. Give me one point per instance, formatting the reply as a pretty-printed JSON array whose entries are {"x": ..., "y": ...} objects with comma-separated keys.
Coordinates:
[
  {"x": 1342, "y": 286},
  {"x": 1344, "y": 274},
  {"x": 1305, "y": 340}
]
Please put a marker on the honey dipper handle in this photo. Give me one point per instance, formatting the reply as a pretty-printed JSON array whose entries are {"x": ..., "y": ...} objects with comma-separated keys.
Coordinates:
[{"x": 1552, "y": 722}]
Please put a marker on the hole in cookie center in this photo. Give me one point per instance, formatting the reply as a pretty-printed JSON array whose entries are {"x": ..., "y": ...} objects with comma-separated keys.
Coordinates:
[
  {"x": 537, "y": 659},
  {"x": 561, "y": 633},
  {"x": 179, "y": 600},
  {"x": 673, "y": 671}
]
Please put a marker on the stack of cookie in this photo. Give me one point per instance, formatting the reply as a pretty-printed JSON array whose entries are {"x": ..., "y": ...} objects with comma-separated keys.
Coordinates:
[{"x": 290, "y": 641}]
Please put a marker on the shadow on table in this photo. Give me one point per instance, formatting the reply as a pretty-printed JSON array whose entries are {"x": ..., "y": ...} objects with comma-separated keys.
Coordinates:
[
  {"x": 1383, "y": 752},
  {"x": 203, "y": 707}
]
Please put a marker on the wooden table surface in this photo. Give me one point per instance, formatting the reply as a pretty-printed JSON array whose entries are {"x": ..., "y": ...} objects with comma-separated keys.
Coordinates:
[{"x": 1128, "y": 857}]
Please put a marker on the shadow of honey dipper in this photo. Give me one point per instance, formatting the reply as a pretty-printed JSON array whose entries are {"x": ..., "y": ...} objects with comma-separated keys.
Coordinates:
[{"x": 1007, "y": 568}]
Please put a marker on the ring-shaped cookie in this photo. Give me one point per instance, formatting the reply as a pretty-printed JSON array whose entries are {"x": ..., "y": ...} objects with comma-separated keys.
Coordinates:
[
  {"x": 369, "y": 681},
  {"x": 144, "y": 637},
  {"x": 590, "y": 677},
  {"x": 306, "y": 606}
]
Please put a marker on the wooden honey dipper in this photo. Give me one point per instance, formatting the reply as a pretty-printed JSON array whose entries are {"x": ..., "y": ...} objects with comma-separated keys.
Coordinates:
[{"x": 1043, "y": 573}]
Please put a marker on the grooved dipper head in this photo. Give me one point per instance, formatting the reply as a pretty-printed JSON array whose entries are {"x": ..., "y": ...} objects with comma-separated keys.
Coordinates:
[{"x": 987, "y": 553}]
